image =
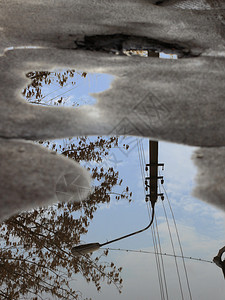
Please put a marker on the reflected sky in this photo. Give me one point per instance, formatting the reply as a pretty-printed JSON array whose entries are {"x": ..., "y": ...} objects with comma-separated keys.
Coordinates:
[
  {"x": 75, "y": 91},
  {"x": 200, "y": 226}
]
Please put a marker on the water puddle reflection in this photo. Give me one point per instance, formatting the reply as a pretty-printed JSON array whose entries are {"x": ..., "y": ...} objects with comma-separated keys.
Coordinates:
[
  {"x": 67, "y": 88},
  {"x": 169, "y": 259},
  {"x": 37, "y": 246}
]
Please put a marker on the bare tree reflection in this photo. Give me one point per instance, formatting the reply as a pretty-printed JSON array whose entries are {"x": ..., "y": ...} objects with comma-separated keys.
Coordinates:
[{"x": 35, "y": 246}]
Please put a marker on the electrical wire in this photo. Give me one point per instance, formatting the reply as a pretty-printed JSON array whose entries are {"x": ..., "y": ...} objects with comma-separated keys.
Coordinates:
[
  {"x": 165, "y": 254},
  {"x": 157, "y": 242},
  {"x": 179, "y": 241},
  {"x": 173, "y": 248},
  {"x": 141, "y": 166},
  {"x": 61, "y": 87},
  {"x": 141, "y": 159},
  {"x": 160, "y": 270},
  {"x": 50, "y": 100},
  {"x": 158, "y": 262},
  {"x": 163, "y": 269}
]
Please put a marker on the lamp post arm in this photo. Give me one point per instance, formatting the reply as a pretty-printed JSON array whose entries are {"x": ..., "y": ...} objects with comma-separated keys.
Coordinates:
[{"x": 133, "y": 233}]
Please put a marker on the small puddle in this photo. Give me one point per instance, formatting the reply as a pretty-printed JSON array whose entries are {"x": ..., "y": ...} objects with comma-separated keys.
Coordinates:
[{"x": 69, "y": 88}]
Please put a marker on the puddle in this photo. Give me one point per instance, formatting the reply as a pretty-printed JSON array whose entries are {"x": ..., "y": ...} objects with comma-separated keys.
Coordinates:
[
  {"x": 43, "y": 239},
  {"x": 69, "y": 88},
  {"x": 72, "y": 88},
  {"x": 171, "y": 259},
  {"x": 200, "y": 228},
  {"x": 120, "y": 44},
  {"x": 168, "y": 56},
  {"x": 146, "y": 53},
  {"x": 130, "y": 253}
]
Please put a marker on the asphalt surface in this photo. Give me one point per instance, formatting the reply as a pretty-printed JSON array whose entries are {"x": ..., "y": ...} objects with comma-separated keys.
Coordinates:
[{"x": 180, "y": 101}]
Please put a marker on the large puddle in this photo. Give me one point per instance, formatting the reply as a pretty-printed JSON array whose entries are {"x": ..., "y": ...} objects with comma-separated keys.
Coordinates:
[{"x": 169, "y": 260}]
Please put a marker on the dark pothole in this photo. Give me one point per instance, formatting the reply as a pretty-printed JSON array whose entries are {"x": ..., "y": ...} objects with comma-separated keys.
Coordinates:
[{"x": 121, "y": 44}]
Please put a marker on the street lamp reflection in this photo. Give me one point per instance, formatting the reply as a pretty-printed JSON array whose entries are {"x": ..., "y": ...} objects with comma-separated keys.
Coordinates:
[{"x": 84, "y": 249}]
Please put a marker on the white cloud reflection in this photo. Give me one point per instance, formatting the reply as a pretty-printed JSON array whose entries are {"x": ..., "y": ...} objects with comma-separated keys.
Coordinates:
[{"x": 201, "y": 229}]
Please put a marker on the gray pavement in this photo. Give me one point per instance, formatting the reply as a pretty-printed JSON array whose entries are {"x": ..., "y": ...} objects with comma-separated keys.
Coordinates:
[{"x": 181, "y": 100}]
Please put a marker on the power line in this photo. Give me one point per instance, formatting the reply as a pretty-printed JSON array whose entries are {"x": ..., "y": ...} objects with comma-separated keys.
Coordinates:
[
  {"x": 160, "y": 270},
  {"x": 61, "y": 87},
  {"x": 179, "y": 241},
  {"x": 165, "y": 254},
  {"x": 163, "y": 269},
  {"x": 157, "y": 261},
  {"x": 62, "y": 94},
  {"x": 157, "y": 240},
  {"x": 142, "y": 168},
  {"x": 141, "y": 165},
  {"x": 178, "y": 274}
]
